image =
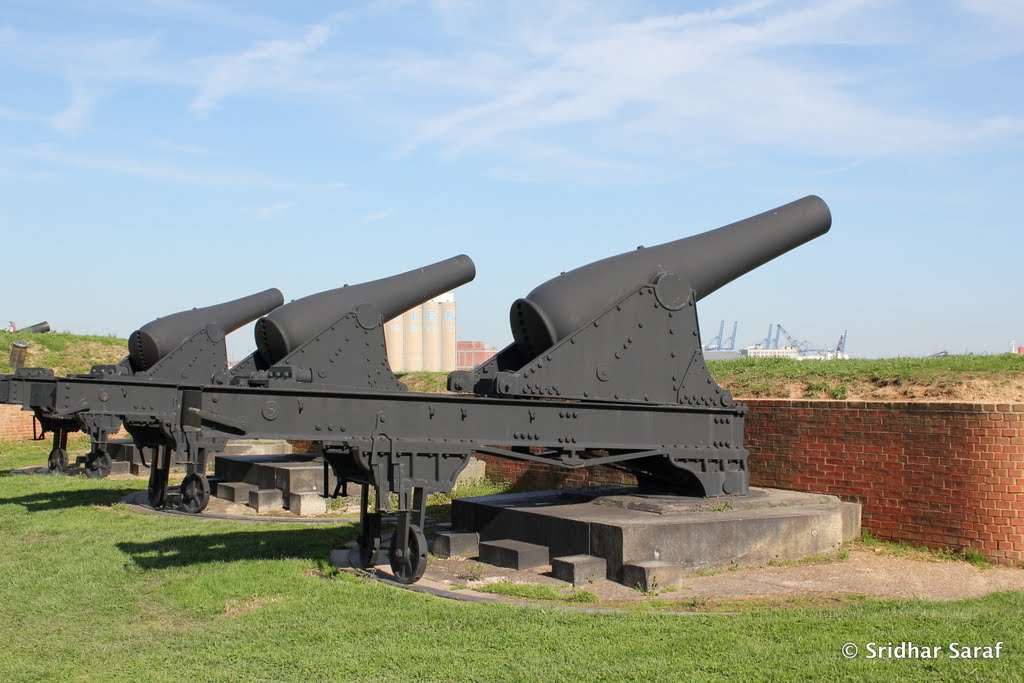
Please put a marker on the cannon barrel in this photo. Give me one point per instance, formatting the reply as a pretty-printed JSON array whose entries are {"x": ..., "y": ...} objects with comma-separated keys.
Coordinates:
[
  {"x": 292, "y": 325},
  {"x": 705, "y": 262},
  {"x": 154, "y": 340},
  {"x": 38, "y": 328}
]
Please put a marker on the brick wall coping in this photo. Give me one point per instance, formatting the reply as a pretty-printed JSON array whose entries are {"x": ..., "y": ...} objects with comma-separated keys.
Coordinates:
[{"x": 958, "y": 406}]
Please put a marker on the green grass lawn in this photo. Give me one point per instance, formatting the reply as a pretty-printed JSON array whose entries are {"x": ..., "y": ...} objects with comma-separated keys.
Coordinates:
[{"x": 91, "y": 590}]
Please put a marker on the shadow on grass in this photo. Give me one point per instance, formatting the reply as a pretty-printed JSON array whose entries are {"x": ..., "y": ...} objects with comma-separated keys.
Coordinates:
[
  {"x": 180, "y": 551},
  {"x": 60, "y": 500}
]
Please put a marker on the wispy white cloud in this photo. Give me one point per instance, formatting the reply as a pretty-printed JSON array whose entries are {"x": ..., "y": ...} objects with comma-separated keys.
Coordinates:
[
  {"x": 540, "y": 162},
  {"x": 995, "y": 127},
  {"x": 272, "y": 209},
  {"x": 52, "y": 155},
  {"x": 73, "y": 117},
  {"x": 838, "y": 169},
  {"x": 203, "y": 13},
  {"x": 101, "y": 61},
  {"x": 378, "y": 216},
  {"x": 1007, "y": 14},
  {"x": 268, "y": 65},
  {"x": 551, "y": 89},
  {"x": 696, "y": 80},
  {"x": 306, "y": 194},
  {"x": 181, "y": 147},
  {"x": 12, "y": 115}
]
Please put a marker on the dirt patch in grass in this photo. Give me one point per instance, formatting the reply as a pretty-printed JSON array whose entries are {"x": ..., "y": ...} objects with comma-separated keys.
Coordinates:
[
  {"x": 236, "y": 608},
  {"x": 849, "y": 578},
  {"x": 865, "y": 571}
]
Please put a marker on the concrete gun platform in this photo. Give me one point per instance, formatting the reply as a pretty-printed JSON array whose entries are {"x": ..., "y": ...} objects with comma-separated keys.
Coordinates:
[{"x": 624, "y": 526}]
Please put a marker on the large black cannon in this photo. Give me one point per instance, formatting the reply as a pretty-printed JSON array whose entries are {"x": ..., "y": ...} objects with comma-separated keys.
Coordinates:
[
  {"x": 333, "y": 338},
  {"x": 688, "y": 268},
  {"x": 160, "y": 340},
  {"x": 283, "y": 331},
  {"x": 606, "y": 369},
  {"x": 188, "y": 345},
  {"x": 625, "y": 329}
]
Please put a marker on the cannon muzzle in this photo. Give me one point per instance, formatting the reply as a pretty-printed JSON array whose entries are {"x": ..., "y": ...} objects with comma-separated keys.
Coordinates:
[
  {"x": 703, "y": 262},
  {"x": 38, "y": 328},
  {"x": 289, "y": 327},
  {"x": 156, "y": 339}
]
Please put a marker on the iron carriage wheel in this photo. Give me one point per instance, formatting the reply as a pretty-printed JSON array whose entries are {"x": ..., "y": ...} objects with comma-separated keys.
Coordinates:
[
  {"x": 58, "y": 461},
  {"x": 410, "y": 568},
  {"x": 195, "y": 493},
  {"x": 98, "y": 464}
]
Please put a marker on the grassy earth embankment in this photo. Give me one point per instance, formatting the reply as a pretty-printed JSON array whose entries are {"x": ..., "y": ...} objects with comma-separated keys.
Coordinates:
[
  {"x": 998, "y": 378},
  {"x": 64, "y": 352}
]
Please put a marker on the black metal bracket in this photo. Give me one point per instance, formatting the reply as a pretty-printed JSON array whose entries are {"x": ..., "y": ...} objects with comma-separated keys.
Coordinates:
[{"x": 349, "y": 353}]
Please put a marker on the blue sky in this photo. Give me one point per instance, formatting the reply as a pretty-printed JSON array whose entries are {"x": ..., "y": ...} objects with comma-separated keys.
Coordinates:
[{"x": 162, "y": 154}]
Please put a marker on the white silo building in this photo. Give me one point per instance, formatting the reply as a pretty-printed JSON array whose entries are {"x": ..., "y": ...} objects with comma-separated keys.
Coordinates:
[{"x": 423, "y": 338}]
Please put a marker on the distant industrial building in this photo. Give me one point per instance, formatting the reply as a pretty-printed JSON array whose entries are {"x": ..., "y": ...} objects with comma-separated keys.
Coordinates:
[
  {"x": 423, "y": 338},
  {"x": 759, "y": 352},
  {"x": 474, "y": 353},
  {"x": 798, "y": 350}
]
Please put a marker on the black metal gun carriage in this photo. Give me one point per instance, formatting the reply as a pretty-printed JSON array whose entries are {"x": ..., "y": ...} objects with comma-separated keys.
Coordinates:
[{"x": 606, "y": 368}]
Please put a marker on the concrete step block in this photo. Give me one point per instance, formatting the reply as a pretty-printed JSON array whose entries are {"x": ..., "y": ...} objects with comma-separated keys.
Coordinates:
[
  {"x": 652, "y": 575},
  {"x": 246, "y": 468},
  {"x": 264, "y": 500},
  {"x": 234, "y": 491},
  {"x": 120, "y": 467},
  {"x": 301, "y": 477},
  {"x": 307, "y": 504},
  {"x": 456, "y": 544},
  {"x": 579, "y": 569},
  {"x": 138, "y": 469},
  {"x": 514, "y": 554},
  {"x": 123, "y": 450}
]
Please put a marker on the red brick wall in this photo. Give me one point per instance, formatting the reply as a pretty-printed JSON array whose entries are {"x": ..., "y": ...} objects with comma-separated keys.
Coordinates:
[
  {"x": 937, "y": 474},
  {"x": 15, "y": 423},
  {"x": 947, "y": 475},
  {"x": 473, "y": 353},
  {"x": 535, "y": 475}
]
